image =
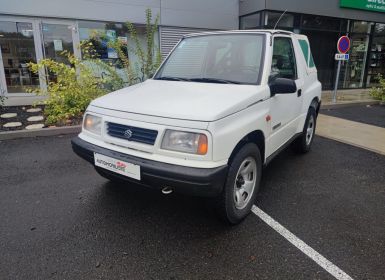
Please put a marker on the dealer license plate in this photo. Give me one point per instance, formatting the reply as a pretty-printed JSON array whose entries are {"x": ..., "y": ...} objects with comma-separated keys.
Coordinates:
[{"x": 117, "y": 166}]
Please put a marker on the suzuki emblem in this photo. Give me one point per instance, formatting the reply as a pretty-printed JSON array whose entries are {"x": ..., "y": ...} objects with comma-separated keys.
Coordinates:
[{"x": 128, "y": 133}]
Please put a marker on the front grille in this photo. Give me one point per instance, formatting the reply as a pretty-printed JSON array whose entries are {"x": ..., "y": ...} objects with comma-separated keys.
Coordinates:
[{"x": 131, "y": 133}]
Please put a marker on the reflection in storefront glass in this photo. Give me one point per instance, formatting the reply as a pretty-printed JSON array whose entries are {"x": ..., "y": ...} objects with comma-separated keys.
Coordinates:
[
  {"x": 282, "y": 21},
  {"x": 376, "y": 56},
  {"x": 251, "y": 22},
  {"x": 100, "y": 35},
  {"x": 18, "y": 49}
]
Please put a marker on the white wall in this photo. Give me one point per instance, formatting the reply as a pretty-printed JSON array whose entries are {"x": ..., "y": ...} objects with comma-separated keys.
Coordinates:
[
  {"x": 249, "y": 6},
  {"x": 211, "y": 14}
]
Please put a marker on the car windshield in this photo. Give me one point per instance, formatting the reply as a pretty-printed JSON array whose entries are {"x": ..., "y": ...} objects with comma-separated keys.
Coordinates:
[{"x": 230, "y": 59}]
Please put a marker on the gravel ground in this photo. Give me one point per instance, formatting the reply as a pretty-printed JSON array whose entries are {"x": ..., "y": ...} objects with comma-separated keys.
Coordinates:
[{"x": 22, "y": 116}]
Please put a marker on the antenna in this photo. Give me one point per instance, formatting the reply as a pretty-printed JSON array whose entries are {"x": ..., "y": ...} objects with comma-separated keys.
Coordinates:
[{"x": 275, "y": 26}]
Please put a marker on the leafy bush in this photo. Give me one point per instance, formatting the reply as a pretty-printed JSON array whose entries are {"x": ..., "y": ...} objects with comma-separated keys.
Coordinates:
[
  {"x": 2, "y": 97},
  {"x": 149, "y": 56},
  {"x": 72, "y": 86},
  {"x": 379, "y": 92}
]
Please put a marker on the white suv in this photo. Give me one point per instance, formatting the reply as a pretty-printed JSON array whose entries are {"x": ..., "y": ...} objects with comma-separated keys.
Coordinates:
[{"x": 221, "y": 106}]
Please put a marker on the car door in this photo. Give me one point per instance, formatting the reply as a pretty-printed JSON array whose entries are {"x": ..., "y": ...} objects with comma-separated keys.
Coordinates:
[{"x": 285, "y": 109}]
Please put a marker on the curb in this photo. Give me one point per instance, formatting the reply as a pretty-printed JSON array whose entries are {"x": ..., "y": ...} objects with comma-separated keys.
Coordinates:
[
  {"x": 346, "y": 142},
  {"x": 8, "y": 135},
  {"x": 348, "y": 104}
]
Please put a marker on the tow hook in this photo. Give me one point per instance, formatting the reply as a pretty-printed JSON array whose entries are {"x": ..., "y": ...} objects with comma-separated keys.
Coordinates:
[{"x": 167, "y": 190}]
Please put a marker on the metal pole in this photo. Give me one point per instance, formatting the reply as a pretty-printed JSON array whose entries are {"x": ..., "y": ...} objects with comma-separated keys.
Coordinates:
[{"x": 336, "y": 84}]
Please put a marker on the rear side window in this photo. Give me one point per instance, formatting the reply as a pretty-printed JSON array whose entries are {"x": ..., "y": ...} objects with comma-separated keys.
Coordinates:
[
  {"x": 283, "y": 63},
  {"x": 307, "y": 53}
]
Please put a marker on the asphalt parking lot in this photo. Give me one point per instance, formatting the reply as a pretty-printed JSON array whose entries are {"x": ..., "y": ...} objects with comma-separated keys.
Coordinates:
[
  {"x": 368, "y": 114},
  {"x": 60, "y": 220}
]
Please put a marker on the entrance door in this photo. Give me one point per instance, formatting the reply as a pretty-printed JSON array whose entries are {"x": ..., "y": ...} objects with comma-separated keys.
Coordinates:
[{"x": 58, "y": 37}]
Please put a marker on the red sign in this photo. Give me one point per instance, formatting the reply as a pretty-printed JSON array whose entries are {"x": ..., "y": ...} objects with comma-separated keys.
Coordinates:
[{"x": 343, "y": 45}]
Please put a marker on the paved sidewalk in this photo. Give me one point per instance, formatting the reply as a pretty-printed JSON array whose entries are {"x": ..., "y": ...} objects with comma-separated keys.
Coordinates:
[
  {"x": 365, "y": 136},
  {"x": 349, "y": 96}
]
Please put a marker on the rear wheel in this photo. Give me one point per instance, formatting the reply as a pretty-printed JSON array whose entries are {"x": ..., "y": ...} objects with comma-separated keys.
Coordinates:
[
  {"x": 303, "y": 143},
  {"x": 241, "y": 185}
]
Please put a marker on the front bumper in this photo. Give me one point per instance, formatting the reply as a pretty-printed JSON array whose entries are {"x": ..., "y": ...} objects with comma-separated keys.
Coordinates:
[{"x": 187, "y": 180}]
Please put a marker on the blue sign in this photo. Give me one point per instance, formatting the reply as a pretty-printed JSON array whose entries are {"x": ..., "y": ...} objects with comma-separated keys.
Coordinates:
[{"x": 343, "y": 45}]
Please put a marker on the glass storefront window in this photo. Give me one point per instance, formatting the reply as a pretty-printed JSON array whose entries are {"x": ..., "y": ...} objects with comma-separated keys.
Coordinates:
[
  {"x": 17, "y": 50},
  {"x": 361, "y": 27},
  {"x": 56, "y": 39},
  {"x": 251, "y": 21},
  {"x": 100, "y": 34},
  {"x": 376, "y": 56},
  {"x": 320, "y": 23},
  {"x": 286, "y": 22},
  {"x": 354, "y": 68}
]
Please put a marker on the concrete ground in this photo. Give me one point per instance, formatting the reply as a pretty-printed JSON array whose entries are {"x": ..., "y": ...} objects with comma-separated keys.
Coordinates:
[
  {"x": 60, "y": 220},
  {"x": 358, "y": 125}
]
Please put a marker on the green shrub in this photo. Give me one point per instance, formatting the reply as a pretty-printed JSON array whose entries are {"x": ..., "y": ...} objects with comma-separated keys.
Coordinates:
[
  {"x": 2, "y": 98},
  {"x": 70, "y": 88},
  {"x": 149, "y": 56},
  {"x": 379, "y": 92}
]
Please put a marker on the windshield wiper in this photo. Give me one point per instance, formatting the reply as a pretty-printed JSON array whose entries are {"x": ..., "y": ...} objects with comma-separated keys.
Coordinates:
[
  {"x": 169, "y": 78},
  {"x": 214, "y": 80}
]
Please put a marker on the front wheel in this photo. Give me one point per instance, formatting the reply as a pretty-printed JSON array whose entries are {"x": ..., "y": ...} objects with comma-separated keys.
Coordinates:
[
  {"x": 303, "y": 143},
  {"x": 241, "y": 185}
]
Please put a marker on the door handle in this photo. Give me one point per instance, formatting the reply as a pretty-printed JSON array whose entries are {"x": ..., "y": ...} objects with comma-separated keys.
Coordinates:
[{"x": 299, "y": 92}]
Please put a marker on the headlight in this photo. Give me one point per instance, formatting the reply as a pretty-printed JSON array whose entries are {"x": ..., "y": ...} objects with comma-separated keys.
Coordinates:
[
  {"x": 185, "y": 142},
  {"x": 93, "y": 124}
]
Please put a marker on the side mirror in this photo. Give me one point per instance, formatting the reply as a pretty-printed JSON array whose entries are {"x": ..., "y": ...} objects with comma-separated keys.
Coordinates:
[{"x": 282, "y": 86}]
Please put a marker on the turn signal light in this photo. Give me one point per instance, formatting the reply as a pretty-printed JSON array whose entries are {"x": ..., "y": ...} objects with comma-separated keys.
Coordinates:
[{"x": 202, "y": 144}]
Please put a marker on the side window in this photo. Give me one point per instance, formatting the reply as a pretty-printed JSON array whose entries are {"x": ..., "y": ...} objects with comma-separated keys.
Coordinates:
[
  {"x": 305, "y": 50},
  {"x": 283, "y": 63}
]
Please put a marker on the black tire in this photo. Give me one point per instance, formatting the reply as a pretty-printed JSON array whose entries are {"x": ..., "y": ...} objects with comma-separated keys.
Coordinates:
[
  {"x": 226, "y": 203},
  {"x": 303, "y": 144}
]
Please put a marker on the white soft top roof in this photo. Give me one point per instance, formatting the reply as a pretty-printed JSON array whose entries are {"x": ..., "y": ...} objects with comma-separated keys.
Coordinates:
[{"x": 247, "y": 31}]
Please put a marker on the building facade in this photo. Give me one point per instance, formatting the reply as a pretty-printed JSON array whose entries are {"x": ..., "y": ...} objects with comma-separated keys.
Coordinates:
[
  {"x": 324, "y": 22},
  {"x": 33, "y": 30}
]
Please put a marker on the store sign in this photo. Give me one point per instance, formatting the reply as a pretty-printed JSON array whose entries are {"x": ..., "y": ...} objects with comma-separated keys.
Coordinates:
[{"x": 371, "y": 5}]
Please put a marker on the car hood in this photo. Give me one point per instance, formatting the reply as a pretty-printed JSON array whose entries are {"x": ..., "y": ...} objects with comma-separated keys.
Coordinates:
[{"x": 182, "y": 100}]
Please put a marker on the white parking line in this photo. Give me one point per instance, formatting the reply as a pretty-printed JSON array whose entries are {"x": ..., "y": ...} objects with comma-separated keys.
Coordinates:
[{"x": 306, "y": 249}]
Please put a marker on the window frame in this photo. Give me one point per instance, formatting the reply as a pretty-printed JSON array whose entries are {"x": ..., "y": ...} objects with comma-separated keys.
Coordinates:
[
  {"x": 293, "y": 50},
  {"x": 263, "y": 53}
]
